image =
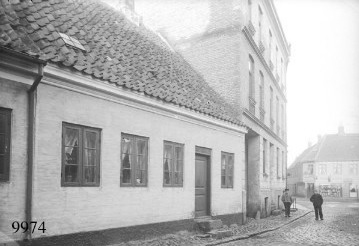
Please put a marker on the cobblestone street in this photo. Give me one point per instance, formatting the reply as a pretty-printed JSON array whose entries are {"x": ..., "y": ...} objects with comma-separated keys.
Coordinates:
[{"x": 339, "y": 227}]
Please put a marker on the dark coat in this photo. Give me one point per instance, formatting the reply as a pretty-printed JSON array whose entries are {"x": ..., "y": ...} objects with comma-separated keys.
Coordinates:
[{"x": 316, "y": 199}]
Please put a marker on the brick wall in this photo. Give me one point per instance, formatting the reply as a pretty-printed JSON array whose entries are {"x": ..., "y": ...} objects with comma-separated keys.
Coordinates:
[{"x": 74, "y": 209}]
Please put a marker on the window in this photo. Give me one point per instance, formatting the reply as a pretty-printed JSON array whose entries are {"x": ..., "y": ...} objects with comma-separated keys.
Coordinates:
[
  {"x": 5, "y": 129},
  {"x": 264, "y": 155},
  {"x": 172, "y": 164},
  {"x": 337, "y": 168},
  {"x": 227, "y": 170},
  {"x": 251, "y": 76},
  {"x": 134, "y": 156},
  {"x": 80, "y": 156},
  {"x": 278, "y": 163},
  {"x": 250, "y": 10},
  {"x": 261, "y": 90},
  {"x": 353, "y": 169},
  {"x": 271, "y": 103},
  {"x": 276, "y": 59},
  {"x": 260, "y": 14},
  {"x": 283, "y": 164},
  {"x": 322, "y": 169},
  {"x": 270, "y": 46}
]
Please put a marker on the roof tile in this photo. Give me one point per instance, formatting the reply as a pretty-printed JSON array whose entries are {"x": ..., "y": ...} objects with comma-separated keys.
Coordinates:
[{"x": 116, "y": 51}]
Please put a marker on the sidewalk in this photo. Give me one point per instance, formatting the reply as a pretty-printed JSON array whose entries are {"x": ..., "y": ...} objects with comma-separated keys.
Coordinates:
[{"x": 252, "y": 228}]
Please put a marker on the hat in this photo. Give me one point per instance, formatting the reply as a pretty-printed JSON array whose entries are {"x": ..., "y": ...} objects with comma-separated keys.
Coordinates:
[{"x": 286, "y": 189}]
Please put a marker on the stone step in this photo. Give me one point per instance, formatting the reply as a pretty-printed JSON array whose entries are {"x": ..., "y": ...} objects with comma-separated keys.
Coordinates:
[
  {"x": 220, "y": 233},
  {"x": 207, "y": 225}
]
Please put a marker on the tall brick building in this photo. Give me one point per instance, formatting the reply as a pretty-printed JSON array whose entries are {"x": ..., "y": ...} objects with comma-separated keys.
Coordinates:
[{"x": 239, "y": 47}]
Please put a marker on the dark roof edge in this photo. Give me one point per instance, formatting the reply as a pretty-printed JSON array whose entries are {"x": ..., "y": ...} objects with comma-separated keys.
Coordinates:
[{"x": 22, "y": 55}]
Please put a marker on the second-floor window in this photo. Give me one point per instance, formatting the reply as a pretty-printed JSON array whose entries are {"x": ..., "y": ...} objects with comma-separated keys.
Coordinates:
[
  {"x": 261, "y": 90},
  {"x": 134, "y": 160},
  {"x": 251, "y": 77},
  {"x": 322, "y": 169},
  {"x": 271, "y": 104},
  {"x": 264, "y": 156},
  {"x": 353, "y": 169},
  {"x": 260, "y": 18},
  {"x": 227, "y": 170},
  {"x": 172, "y": 164},
  {"x": 337, "y": 168}
]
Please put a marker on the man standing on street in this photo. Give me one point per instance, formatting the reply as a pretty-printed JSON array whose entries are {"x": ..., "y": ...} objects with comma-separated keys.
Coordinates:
[
  {"x": 287, "y": 201},
  {"x": 317, "y": 201}
]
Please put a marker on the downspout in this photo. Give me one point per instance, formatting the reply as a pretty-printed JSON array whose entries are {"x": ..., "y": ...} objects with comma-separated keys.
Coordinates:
[{"x": 32, "y": 100}]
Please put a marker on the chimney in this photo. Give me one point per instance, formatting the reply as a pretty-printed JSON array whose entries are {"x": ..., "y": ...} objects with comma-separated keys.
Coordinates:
[{"x": 341, "y": 130}]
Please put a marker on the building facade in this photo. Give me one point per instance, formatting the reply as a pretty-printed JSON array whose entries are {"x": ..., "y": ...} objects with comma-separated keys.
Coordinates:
[
  {"x": 330, "y": 166},
  {"x": 240, "y": 49},
  {"x": 103, "y": 126}
]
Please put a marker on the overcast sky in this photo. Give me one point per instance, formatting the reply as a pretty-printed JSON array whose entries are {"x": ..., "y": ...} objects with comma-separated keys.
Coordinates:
[{"x": 323, "y": 72}]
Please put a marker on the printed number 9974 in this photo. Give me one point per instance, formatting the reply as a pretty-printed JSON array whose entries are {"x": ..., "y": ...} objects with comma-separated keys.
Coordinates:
[{"x": 25, "y": 226}]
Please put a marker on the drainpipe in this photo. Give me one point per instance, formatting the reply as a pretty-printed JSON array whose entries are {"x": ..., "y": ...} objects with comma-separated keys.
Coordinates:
[{"x": 32, "y": 100}]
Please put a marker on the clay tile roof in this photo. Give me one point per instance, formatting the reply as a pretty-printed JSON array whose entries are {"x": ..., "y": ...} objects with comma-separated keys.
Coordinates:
[{"x": 116, "y": 51}]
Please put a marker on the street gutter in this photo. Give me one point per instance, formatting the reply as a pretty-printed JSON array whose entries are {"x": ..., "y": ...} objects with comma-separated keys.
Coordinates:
[{"x": 241, "y": 237}]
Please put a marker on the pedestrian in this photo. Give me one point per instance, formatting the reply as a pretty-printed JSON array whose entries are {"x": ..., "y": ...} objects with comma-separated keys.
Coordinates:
[
  {"x": 317, "y": 201},
  {"x": 287, "y": 201}
]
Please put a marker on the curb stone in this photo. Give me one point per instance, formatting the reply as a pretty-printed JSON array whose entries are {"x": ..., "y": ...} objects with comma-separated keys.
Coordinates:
[{"x": 246, "y": 236}]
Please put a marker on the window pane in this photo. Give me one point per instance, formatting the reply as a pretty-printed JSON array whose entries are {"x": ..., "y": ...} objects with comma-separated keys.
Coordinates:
[
  {"x": 179, "y": 166},
  {"x": 89, "y": 157},
  {"x": 89, "y": 174},
  {"x": 2, "y": 164},
  {"x": 141, "y": 147},
  {"x": 2, "y": 123},
  {"x": 166, "y": 177},
  {"x": 141, "y": 162},
  {"x": 167, "y": 165},
  {"x": 90, "y": 139},
  {"x": 71, "y": 173},
  {"x": 126, "y": 176},
  {"x": 178, "y": 179},
  {"x": 126, "y": 145},
  {"x": 140, "y": 176},
  {"x": 230, "y": 164},
  {"x": 230, "y": 181},
  {"x": 168, "y": 152},
  {"x": 126, "y": 161},
  {"x": 2, "y": 144},
  {"x": 223, "y": 166},
  {"x": 223, "y": 180},
  {"x": 179, "y": 153},
  {"x": 71, "y": 155},
  {"x": 71, "y": 137}
]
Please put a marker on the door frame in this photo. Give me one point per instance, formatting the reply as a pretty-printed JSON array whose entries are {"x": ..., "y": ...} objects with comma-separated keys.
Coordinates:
[{"x": 207, "y": 153}]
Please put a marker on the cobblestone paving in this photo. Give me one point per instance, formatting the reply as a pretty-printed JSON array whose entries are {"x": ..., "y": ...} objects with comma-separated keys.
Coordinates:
[
  {"x": 339, "y": 227},
  {"x": 191, "y": 238}
]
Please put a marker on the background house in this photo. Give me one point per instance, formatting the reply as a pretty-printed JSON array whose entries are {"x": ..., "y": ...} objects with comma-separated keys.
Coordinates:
[
  {"x": 239, "y": 47},
  {"x": 103, "y": 126},
  {"x": 331, "y": 166}
]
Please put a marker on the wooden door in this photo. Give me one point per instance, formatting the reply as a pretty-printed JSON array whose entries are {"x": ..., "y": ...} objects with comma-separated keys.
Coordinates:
[{"x": 202, "y": 186}]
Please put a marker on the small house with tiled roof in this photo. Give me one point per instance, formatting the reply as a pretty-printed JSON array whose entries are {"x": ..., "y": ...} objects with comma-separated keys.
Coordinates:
[
  {"x": 103, "y": 126},
  {"x": 331, "y": 166}
]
